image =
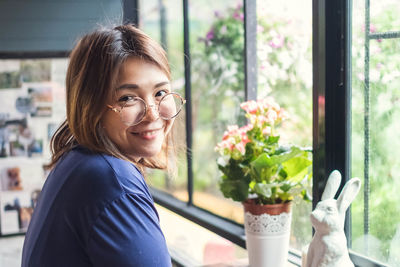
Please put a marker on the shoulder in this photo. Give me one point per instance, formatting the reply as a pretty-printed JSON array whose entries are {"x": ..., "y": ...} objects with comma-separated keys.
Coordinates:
[{"x": 97, "y": 176}]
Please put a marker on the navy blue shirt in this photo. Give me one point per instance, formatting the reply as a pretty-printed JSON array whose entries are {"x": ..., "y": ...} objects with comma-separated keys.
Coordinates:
[{"x": 94, "y": 210}]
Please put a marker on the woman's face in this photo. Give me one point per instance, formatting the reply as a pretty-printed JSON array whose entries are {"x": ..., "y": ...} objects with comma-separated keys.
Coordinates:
[{"x": 138, "y": 78}]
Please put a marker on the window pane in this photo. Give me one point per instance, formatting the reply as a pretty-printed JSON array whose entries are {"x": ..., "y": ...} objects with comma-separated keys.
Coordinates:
[
  {"x": 285, "y": 72},
  {"x": 284, "y": 54},
  {"x": 217, "y": 44},
  {"x": 170, "y": 35},
  {"x": 383, "y": 14},
  {"x": 375, "y": 128}
]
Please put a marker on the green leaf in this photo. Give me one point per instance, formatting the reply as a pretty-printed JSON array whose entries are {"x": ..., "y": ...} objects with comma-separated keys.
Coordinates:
[
  {"x": 306, "y": 196},
  {"x": 297, "y": 168},
  {"x": 232, "y": 170},
  {"x": 260, "y": 164},
  {"x": 283, "y": 173},
  {"x": 286, "y": 186},
  {"x": 263, "y": 189},
  {"x": 273, "y": 139},
  {"x": 279, "y": 159},
  {"x": 265, "y": 161},
  {"x": 238, "y": 189}
]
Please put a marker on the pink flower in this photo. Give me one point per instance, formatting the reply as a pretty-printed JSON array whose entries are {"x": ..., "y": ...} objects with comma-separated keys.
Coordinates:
[
  {"x": 271, "y": 116},
  {"x": 238, "y": 16},
  {"x": 372, "y": 28},
  {"x": 282, "y": 114},
  {"x": 228, "y": 134},
  {"x": 262, "y": 120},
  {"x": 250, "y": 106},
  {"x": 243, "y": 133},
  {"x": 246, "y": 128},
  {"x": 264, "y": 115},
  {"x": 210, "y": 35},
  {"x": 268, "y": 103},
  {"x": 277, "y": 41},
  {"x": 241, "y": 147},
  {"x": 234, "y": 141},
  {"x": 260, "y": 28}
]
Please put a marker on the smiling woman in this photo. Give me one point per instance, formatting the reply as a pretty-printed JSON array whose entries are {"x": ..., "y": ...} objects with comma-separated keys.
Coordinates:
[
  {"x": 143, "y": 133},
  {"x": 120, "y": 110}
]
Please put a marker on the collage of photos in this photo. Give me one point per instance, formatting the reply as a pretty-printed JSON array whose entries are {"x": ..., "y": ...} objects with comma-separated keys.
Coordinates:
[
  {"x": 26, "y": 127},
  {"x": 26, "y": 87}
]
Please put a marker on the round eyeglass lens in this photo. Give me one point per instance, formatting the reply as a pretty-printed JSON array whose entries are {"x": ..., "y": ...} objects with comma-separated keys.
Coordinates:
[
  {"x": 170, "y": 106},
  {"x": 133, "y": 111}
]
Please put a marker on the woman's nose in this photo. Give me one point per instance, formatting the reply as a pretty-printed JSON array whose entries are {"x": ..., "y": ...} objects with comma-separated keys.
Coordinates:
[{"x": 152, "y": 113}]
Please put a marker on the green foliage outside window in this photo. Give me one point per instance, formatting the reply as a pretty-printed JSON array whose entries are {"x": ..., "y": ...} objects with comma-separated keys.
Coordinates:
[
  {"x": 384, "y": 146},
  {"x": 284, "y": 59}
]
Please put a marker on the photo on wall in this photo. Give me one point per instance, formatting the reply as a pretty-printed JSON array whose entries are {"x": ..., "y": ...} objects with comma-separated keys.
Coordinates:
[
  {"x": 19, "y": 140},
  {"x": 10, "y": 74},
  {"x": 10, "y": 179},
  {"x": 10, "y": 79},
  {"x": 16, "y": 208},
  {"x": 42, "y": 98}
]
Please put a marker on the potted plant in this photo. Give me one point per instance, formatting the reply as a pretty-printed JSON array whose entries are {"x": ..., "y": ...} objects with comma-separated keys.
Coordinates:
[{"x": 265, "y": 176}]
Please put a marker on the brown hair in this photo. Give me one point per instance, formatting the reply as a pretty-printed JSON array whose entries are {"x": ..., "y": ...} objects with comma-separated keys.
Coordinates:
[{"x": 92, "y": 72}]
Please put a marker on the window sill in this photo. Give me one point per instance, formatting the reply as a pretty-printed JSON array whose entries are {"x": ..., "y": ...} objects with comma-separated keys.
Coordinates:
[{"x": 223, "y": 234}]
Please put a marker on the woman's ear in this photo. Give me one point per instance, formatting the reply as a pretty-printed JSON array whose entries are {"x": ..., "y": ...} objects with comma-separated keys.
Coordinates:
[{"x": 332, "y": 185}]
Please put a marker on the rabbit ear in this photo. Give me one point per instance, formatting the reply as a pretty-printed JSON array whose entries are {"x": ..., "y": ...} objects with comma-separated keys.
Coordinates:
[
  {"x": 332, "y": 185},
  {"x": 348, "y": 194}
]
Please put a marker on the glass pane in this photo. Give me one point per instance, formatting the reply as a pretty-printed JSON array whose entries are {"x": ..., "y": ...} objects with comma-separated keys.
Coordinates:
[
  {"x": 375, "y": 138},
  {"x": 284, "y": 52},
  {"x": 285, "y": 72},
  {"x": 217, "y": 44},
  {"x": 32, "y": 105},
  {"x": 384, "y": 15},
  {"x": 163, "y": 21}
]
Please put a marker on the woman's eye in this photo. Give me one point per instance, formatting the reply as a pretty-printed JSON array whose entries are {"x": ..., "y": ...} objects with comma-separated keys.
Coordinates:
[
  {"x": 125, "y": 98},
  {"x": 161, "y": 93}
]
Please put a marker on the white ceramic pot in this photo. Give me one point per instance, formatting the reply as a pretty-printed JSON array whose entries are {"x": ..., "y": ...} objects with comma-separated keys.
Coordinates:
[{"x": 267, "y": 236}]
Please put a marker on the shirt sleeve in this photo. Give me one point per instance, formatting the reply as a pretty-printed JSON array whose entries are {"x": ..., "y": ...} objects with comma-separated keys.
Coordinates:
[{"x": 127, "y": 233}]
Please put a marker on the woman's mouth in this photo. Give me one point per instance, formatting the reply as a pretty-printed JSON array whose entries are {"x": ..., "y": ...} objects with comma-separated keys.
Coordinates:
[{"x": 147, "y": 135}]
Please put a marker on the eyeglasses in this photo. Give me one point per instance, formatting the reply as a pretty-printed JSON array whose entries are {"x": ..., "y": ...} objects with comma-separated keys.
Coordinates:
[{"x": 134, "y": 110}]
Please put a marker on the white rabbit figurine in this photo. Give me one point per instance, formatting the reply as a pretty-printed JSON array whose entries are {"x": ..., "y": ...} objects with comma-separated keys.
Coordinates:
[{"x": 328, "y": 247}]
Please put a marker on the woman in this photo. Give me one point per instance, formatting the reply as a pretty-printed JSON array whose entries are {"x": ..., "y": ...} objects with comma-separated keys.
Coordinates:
[{"x": 95, "y": 208}]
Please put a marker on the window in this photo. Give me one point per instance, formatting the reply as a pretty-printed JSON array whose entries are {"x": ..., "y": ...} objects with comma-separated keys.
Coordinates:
[
  {"x": 216, "y": 43},
  {"x": 374, "y": 136}
]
